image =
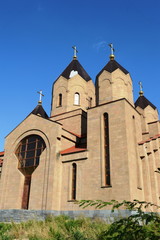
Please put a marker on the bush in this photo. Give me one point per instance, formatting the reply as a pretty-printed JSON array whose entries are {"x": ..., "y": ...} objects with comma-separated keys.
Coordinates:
[{"x": 139, "y": 226}]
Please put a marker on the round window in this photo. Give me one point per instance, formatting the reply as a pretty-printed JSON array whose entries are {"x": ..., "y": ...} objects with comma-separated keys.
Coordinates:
[{"x": 28, "y": 153}]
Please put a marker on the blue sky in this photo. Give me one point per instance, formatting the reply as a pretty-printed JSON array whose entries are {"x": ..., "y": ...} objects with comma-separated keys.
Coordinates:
[{"x": 36, "y": 39}]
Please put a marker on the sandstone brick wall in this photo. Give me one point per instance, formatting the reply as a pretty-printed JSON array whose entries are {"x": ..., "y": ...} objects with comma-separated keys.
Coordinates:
[
  {"x": 113, "y": 86},
  {"x": 68, "y": 88}
]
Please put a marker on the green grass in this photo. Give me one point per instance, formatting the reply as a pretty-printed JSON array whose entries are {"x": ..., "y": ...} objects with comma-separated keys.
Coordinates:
[
  {"x": 58, "y": 228},
  {"x": 64, "y": 227}
]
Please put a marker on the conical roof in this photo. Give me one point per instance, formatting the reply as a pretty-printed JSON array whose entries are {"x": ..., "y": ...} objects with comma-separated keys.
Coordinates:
[
  {"x": 143, "y": 102},
  {"x": 111, "y": 66},
  {"x": 75, "y": 68},
  {"x": 39, "y": 110}
]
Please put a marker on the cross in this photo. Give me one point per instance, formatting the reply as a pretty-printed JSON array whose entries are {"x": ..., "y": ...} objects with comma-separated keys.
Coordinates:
[
  {"x": 140, "y": 85},
  {"x": 40, "y": 96},
  {"x": 141, "y": 89},
  {"x": 75, "y": 52},
  {"x": 111, "y": 47}
]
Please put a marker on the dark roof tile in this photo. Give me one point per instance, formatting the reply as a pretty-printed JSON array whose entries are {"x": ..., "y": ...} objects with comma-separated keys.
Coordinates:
[
  {"x": 39, "y": 110},
  {"x": 143, "y": 102},
  {"x": 111, "y": 66},
  {"x": 75, "y": 66}
]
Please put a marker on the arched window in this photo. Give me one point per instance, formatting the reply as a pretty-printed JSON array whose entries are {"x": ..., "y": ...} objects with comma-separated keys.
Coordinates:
[
  {"x": 74, "y": 180},
  {"x": 77, "y": 98},
  {"x": 106, "y": 150},
  {"x": 28, "y": 154},
  {"x": 60, "y": 100}
]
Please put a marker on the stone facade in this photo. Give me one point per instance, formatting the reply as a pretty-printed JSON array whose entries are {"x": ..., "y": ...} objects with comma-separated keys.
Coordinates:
[{"x": 97, "y": 144}]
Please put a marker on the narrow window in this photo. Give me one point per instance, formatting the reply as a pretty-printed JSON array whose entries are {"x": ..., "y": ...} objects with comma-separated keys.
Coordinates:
[
  {"x": 74, "y": 180},
  {"x": 60, "y": 100},
  {"x": 77, "y": 98},
  {"x": 134, "y": 134},
  {"x": 106, "y": 150}
]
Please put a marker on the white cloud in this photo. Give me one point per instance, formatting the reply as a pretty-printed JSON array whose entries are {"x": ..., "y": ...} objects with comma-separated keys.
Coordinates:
[{"x": 100, "y": 45}]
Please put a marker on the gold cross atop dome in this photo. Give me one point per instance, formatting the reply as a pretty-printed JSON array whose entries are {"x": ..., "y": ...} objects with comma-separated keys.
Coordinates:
[
  {"x": 141, "y": 89},
  {"x": 75, "y": 52},
  {"x": 112, "y": 51},
  {"x": 40, "y": 97}
]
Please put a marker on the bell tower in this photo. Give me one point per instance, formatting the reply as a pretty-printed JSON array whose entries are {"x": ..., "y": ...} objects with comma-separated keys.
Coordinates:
[
  {"x": 113, "y": 82},
  {"x": 149, "y": 114},
  {"x": 73, "y": 89}
]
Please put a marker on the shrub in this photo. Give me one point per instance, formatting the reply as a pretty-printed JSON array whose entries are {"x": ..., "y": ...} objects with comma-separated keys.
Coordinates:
[{"x": 140, "y": 225}]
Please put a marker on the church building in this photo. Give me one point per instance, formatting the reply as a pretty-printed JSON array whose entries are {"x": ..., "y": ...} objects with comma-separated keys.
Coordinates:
[{"x": 96, "y": 144}]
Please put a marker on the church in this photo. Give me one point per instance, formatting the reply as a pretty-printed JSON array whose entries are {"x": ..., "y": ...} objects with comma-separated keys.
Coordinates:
[{"x": 96, "y": 144}]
